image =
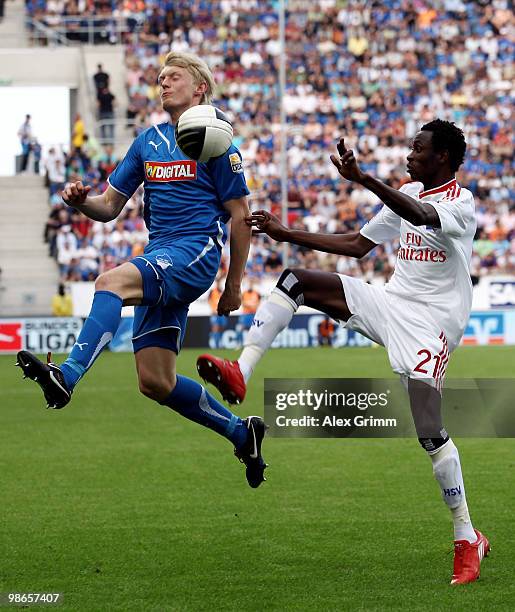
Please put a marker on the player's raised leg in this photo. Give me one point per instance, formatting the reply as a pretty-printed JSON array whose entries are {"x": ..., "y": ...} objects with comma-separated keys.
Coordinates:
[
  {"x": 158, "y": 381},
  {"x": 320, "y": 290},
  {"x": 470, "y": 545},
  {"x": 122, "y": 285}
]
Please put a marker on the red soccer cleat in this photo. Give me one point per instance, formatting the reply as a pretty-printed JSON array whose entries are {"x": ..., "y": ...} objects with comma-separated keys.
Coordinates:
[
  {"x": 225, "y": 375},
  {"x": 468, "y": 557}
]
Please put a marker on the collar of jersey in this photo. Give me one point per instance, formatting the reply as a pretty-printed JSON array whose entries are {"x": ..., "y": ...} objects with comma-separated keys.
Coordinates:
[
  {"x": 451, "y": 188},
  {"x": 160, "y": 129}
]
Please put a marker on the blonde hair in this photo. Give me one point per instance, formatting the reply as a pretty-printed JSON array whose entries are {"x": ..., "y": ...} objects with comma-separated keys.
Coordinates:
[{"x": 198, "y": 69}]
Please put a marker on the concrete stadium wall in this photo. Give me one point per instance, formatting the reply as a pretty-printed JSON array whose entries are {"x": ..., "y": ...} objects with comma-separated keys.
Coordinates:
[
  {"x": 40, "y": 66},
  {"x": 49, "y": 66}
]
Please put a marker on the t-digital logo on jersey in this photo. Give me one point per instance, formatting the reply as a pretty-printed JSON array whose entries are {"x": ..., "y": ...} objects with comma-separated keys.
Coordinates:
[{"x": 164, "y": 172}]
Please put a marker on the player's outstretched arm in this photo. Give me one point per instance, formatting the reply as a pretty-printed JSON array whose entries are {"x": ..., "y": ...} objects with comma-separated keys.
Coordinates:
[
  {"x": 352, "y": 244},
  {"x": 414, "y": 211},
  {"x": 240, "y": 243},
  {"x": 105, "y": 207}
]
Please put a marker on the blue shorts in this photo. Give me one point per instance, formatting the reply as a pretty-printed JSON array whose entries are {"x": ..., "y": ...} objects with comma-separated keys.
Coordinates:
[{"x": 173, "y": 278}]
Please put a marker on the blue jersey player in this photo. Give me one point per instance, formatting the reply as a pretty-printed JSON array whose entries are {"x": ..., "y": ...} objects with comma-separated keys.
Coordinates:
[{"x": 186, "y": 207}]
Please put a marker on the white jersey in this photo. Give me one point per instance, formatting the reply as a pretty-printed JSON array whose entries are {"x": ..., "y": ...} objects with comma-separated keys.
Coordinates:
[{"x": 433, "y": 263}]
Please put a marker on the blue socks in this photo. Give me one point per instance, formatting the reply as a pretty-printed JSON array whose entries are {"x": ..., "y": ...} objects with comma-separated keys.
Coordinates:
[
  {"x": 188, "y": 398},
  {"x": 192, "y": 401},
  {"x": 98, "y": 331}
]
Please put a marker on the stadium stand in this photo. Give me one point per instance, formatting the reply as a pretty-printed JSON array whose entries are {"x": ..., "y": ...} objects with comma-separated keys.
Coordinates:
[
  {"x": 373, "y": 71},
  {"x": 22, "y": 252}
]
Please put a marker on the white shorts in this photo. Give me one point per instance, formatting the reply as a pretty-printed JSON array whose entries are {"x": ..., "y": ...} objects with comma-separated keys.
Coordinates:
[{"x": 416, "y": 344}]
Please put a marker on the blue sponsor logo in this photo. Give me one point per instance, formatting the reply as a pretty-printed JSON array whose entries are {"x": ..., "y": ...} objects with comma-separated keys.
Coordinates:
[{"x": 485, "y": 328}]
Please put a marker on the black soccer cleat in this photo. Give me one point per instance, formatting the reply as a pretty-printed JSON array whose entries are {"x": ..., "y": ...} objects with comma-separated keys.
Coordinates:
[
  {"x": 48, "y": 376},
  {"x": 250, "y": 452}
]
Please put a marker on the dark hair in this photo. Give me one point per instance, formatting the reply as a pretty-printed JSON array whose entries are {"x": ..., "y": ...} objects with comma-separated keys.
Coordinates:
[{"x": 446, "y": 136}]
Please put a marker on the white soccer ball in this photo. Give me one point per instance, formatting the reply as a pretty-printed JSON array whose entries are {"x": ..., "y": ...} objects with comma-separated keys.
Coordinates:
[{"x": 203, "y": 132}]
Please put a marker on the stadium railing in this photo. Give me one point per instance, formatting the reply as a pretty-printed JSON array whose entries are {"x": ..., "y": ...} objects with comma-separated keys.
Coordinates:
[
  {"x": 122, "y": 134},
  {"x": 79, "y": 30},
  {"x": 39, "y": 31}
]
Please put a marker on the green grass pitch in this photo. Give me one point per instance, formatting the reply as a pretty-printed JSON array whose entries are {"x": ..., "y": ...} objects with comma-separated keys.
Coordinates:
[{"x": 123, "y": 505}]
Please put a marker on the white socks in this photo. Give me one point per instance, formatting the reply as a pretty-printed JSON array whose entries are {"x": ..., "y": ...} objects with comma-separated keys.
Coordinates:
[
  {"x": 447, "y": 471},
  {"x": 270, "y": 319}
]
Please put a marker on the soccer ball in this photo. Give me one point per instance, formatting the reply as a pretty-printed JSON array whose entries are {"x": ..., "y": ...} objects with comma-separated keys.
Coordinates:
[{"x": 203, "y": 132}]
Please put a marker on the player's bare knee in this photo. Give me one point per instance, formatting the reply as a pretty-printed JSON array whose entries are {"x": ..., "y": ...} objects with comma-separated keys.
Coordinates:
[
  {"x": 103, "y": 282},
  {"x": 111, "y": 281},
  {"x": 155, "y": 388}
]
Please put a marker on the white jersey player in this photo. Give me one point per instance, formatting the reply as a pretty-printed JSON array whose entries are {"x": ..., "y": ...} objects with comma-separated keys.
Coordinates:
[
  {"x": 419, "y": 316},
  {"x": 427, "y": 301},
  {"x": 433, "y": 263}
]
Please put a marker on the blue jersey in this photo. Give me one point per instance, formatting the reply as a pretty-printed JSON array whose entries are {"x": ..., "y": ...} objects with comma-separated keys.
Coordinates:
[{"x": 182, "y": 197}]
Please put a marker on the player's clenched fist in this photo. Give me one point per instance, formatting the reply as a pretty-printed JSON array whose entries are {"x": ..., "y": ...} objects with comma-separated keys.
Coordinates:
[
  {"x": 229, "y": 300},
  {"x": 263, "y": 221},
  {"x": 76, "y": 193}
]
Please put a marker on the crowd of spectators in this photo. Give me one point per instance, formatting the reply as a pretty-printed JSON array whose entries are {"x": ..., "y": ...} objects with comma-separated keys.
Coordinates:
[
  {"x": 84, "y": 248},
  {"x": 371, "y": 71}
]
